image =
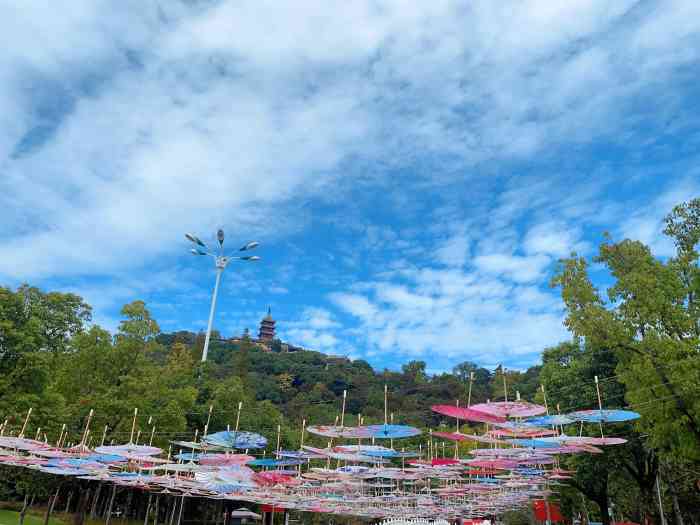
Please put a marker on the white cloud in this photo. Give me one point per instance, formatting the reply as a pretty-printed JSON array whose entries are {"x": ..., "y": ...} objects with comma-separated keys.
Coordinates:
[
  {"x": 314, "y": 330},
  {"x": 515, "y": 267},
  {"x": 455, "y": 250},
  {"x": 645, "y": 223},
  {"x": 140, "y": 123},
  {"x": 553, "y": 239},
  {"x": 481, "y": 318}
]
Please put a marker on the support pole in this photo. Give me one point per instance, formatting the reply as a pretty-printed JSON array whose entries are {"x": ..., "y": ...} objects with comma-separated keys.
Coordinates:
[
  {"x": 156, "y": 513},
  {"x": 182, "y": 504},
  {"x": 111, "y": 504},
  {"x": 93, "y": 509},
  {"x": 49, "y": 508},
  {"x": 219, "y": 271},
  {"x": 148, "y": 509}
]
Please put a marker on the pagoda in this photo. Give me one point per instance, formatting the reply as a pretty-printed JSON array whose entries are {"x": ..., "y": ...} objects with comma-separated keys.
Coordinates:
[{"x": 267, "y": 327}]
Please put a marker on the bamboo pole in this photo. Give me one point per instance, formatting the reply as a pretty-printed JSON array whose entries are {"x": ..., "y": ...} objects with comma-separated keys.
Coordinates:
[
  {"x": 155, "y": 514},
  {"x": 182, "y": 504},
  {"x": 600, "y": 406},
  {"x": 342, "y": 413},
  {"x": 148, "y": 508},
  {"x": 133, "y": 426},
  {"x": 111, "y": 504},
  {"x": 238, "y": 415},
  {"x": 95, "y": 499},
  {"x": 49, "y": 508},
  {"x": 87, "y": 427},
  {"x": 26, "y": 421}
]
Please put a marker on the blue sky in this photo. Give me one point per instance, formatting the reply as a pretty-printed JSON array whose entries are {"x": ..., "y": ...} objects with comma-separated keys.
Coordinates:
[{"x": 412, "y": 170}]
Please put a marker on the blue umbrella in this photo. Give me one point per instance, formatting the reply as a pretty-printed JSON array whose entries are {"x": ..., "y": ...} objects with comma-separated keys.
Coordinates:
[
  {"x": 543, "y": 421},
  {"x": 188, "y": 456},
  {"x": 534, "y": 443},
  {"x": 391, "y": 431},
  {"x": 604, "y": 416},
  {"x": 241, "y": 439},
  {"x": 107, "y": 458}
]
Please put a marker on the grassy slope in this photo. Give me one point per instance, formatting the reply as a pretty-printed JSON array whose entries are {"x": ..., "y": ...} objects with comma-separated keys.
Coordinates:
[
  {"x": 10, "y": 517},
  {"x": 36, "y": 517}
]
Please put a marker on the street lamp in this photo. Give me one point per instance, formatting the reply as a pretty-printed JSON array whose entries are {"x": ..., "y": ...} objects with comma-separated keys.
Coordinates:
[{"x": 221, "y": 261}]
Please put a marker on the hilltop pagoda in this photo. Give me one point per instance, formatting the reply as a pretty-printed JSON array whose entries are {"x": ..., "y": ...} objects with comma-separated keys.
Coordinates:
[{"x": 267, "y": 327}]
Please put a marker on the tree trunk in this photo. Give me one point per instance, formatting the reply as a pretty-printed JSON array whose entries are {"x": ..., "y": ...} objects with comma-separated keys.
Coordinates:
[
  {"x": 23, "y": 512},
  {"x": 127, "y": 509},
  {"x": 604, "y": 514},
  {"x": 676, "y": 508},
  {"x": 111, "y": 503},
  {"x": 81, "y": 511},
  {"x": 219, "y": 517}
]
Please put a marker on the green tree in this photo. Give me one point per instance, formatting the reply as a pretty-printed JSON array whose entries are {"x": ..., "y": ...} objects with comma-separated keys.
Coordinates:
[
  {"x": 651, "y": 320},
  {"x": 568, "y": 374}
]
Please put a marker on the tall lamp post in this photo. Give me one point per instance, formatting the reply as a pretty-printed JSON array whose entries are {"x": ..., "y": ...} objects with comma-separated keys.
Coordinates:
[{"x": 221, "y": 261}]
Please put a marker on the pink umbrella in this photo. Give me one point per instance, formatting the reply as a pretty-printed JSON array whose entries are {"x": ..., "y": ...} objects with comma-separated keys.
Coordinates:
[
  {"x": 510, "y": 408},
  {"x": 598, "y": 441},
  {"x": 21, "y": 443},
  {"x": 492, "y": 463},
  {"x": 444, "y": 461},
  {"x": 521, "y": 432},
  {"x": 468, "y": 414},
  {"x": 225, "y": 459},
  {"x": 271, "y": 477},
  {"x": 336, "y": 431},
  {"x": 52, "y": 453}
]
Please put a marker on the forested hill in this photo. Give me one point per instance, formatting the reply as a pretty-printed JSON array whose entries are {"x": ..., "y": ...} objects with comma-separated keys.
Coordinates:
[{"x": 307, "y": 384}]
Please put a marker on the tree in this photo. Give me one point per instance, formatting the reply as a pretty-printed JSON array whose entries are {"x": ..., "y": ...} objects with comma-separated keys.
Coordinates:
[
  {"x": 651, "y": 320},
  {"x": 568, "y": 373},
  {"x": 34, "y": 321},
  {"x": 414, "y": 371},
  {"x": 36, "y": 331},
  {"x": 138, "y": 323}
]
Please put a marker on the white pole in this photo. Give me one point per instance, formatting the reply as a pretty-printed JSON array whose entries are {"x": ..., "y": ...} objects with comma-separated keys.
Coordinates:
[{"x": 219, "y": 271}]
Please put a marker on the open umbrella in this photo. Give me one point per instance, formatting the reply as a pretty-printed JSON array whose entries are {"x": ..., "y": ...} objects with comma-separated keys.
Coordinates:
[
  {"x": 240, "y": 439},
  {"x": 391, "y": 431},
  {"x": 468, "y": 414},
  {"x": 129, "y": 449},
  {"x": 337, "y": 431},
  {"x": 244, "y": 513},
  {"x": 510, "y": 408},
  {"x": 604, "y": 416},
  {"x": 225, "y": 459}
]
